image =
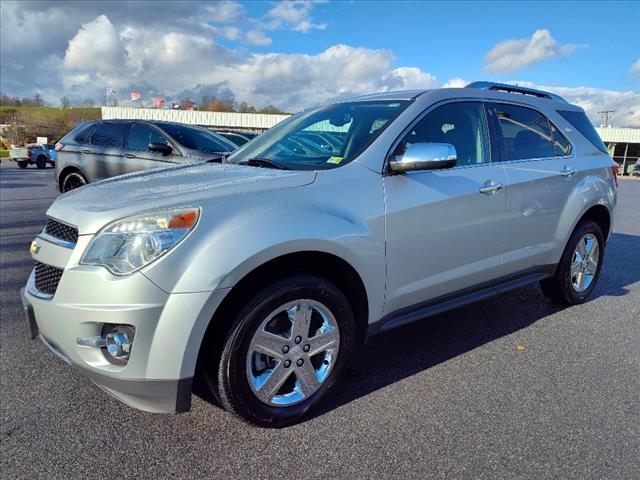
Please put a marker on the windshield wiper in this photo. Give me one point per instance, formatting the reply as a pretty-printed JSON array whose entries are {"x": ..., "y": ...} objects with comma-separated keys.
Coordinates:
[{"x": 262, "y": 162}]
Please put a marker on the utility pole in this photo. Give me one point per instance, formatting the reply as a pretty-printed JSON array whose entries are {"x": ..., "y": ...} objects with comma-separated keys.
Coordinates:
[{"x": 607, "y": 114}]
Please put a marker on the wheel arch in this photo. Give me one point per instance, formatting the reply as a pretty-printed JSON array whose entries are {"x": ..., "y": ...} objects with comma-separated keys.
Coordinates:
[
  {"x": 327, "y": 265},
  {"x": 66, "y": 171}
]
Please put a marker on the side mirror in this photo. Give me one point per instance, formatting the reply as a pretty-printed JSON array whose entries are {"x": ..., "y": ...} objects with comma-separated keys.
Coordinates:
[
  {"x": 425, "y": 156},
  {"x": 163, "y": 148}
]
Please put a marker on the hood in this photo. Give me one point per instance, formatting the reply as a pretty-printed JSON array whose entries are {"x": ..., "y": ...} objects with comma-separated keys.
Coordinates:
[{"x": 91, "y": 207}]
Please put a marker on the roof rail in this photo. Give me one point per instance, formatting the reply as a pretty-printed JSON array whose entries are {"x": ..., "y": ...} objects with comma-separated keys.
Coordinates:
[{"x": 503, "y": 87}]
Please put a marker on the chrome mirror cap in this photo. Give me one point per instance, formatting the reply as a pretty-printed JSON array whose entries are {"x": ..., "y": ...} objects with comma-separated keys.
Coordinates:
[{"x": 425, "y": 156}]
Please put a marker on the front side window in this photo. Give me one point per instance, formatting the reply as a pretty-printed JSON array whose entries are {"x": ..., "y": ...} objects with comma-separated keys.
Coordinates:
[
  {"x": 108, "y": 135},
  {"x": 461, "y": 124},
  {"x": 322, "y": 138},
  {"x": 525, "y": 132},
  {"x": 198, "y": 139},
  {"x": 141, "y": 135}
]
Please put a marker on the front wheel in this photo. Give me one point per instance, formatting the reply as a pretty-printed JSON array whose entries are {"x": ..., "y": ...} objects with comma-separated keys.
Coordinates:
[
  {"x": 41, "y": 162},
  {"x": 579, "y": 267},
  {"x": 285, "y": 351}
]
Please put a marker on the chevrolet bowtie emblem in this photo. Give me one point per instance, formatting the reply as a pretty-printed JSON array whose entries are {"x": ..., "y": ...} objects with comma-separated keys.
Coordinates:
[{"x": 35, "y": 248}]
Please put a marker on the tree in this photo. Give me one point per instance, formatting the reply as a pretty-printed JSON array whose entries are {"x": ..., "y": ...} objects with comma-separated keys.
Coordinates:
[
  {"x": 37, "y": 100},
  {"x": 269, "y": 109},
  {"x": 64, "y": 101}
]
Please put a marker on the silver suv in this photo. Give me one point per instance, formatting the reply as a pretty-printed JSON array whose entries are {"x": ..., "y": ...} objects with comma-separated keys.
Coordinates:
[
  {"x": 262, "y": 275},
  {"x": 100, "y": 149}
]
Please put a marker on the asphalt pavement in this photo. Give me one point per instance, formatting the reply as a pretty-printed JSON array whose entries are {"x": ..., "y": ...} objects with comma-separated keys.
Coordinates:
[{"x": 510, "y": 387}]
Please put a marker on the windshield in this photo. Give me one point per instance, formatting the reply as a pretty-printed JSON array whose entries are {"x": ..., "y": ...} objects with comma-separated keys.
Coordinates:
[
  {"x": 321, "y": 138},
  {"x": 198, "y": 138}
]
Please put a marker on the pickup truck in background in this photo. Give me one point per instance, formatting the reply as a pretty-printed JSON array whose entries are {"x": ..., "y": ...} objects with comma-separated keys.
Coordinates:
[{"x": 33, "y": 154}]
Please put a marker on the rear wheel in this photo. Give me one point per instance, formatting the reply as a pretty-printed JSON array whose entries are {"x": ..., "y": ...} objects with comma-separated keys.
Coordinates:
[
  {"x": 41, "y": 161},
  {"x": 285, "y": 351},
  {"x": 579, "y": 267},
  {"x": 72, "y": 181},
  {"x": 23, "y": 164}
]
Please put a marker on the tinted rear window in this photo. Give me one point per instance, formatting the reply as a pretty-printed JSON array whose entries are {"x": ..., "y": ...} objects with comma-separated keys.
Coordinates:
[
  {"x": 108, "y": 135},
  {"x": 526, "y": 133},
  {"x": 84, "y": 133},
  {"x": 198, "y": 139},
  {"x": 581, "y": 123}
]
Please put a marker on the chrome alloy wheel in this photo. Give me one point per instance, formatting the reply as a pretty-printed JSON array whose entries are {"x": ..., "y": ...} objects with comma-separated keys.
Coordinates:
[
  {"x": 584, "y": 263},
  {"x": 292, "y": 352}
]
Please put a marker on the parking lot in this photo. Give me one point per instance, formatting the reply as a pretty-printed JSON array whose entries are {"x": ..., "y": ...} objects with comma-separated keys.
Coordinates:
[{"x": 511, "y": 387}]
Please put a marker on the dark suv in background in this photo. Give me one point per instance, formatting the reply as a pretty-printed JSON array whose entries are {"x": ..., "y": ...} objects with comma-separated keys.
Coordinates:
[{"x": 105, "y": 148}]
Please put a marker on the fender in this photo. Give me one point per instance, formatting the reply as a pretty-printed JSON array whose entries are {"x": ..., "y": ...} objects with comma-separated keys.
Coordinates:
[{"x": 592, "y": 190}]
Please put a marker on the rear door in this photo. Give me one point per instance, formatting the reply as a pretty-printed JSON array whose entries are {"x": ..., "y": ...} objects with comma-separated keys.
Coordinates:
[
  {"x": 541, "y": 174},
  {"x": 443, "y": 233},
  {"x": 137, "y": 155},
  {"x": 102, "y": 156}
]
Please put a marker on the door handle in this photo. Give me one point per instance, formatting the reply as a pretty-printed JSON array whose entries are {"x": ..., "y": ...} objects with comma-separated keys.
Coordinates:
[
  {"x": 129, "y": 155},
  {"x": 491, "y": 187},
  {"x": 86, "y": 151},
  {"x": 568, "y": 172}
]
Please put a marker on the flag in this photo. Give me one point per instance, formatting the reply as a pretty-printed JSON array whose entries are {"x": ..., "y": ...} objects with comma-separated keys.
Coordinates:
[
  {"x": 110, "y": 91},
  {"x": 158, "y": 102},
  {"x": 135, "y": 96}
]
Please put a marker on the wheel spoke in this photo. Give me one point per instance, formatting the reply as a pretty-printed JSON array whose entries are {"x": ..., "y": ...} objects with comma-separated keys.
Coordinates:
[
  {"x": 300, "y": 317},
  {"x": 270, "y": 386},
  {"x": 592, "y": 266},
  {"x": 582, "y": 248},
  {"x": 581, "y": 281},
  {"x": 575, "y": 269},
  {"x": 268, "y": 343},
  {"x": 323, "y": 342},
  {"x": 308, "y": 379}
]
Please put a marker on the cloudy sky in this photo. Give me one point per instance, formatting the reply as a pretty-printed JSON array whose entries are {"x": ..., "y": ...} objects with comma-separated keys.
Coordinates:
[{"x": 296, "y": 53}]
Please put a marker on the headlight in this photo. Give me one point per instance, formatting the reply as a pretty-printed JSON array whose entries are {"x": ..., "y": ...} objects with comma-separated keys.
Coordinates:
[{"x": 133, "y": 242}]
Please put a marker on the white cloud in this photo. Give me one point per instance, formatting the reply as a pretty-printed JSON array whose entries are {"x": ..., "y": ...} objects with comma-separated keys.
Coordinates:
[
  {"x": 96, "y": 47},
  {"x": 635, "y": 67},
  {"x": 225, "y": 11},
  {"x": 295, "y": 15},
  {"x": 512, "y": 55},
  {"x": 456, "y": 82},
  {"x": 257, "y": 37}
]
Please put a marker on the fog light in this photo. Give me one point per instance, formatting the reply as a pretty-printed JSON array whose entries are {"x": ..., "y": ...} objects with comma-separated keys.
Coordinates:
[{"x": 118, "y": 342}]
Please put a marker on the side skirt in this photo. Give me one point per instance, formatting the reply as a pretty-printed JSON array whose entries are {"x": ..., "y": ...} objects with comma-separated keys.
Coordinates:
[{"x": 459, "y": 298}]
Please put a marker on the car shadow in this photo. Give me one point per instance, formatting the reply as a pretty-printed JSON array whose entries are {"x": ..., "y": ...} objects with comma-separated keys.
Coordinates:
[{"x": 398, "y": 354}]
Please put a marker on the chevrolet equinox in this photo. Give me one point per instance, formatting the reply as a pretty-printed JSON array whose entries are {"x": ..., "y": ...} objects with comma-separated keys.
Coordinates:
[{"x": 263, "y": 273}]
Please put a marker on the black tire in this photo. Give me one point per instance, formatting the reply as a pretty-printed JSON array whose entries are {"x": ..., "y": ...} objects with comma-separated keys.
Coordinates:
[
  {"x": 559, "y": 287},
  {"x": 234, "y": 390},
  {"x": 71, "y": 181},
  {"x": 41, "y": 161},
  {"x": 23, "y": 164}
]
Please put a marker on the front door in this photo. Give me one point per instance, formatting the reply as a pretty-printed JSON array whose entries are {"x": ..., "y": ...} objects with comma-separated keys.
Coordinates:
[{"x": 445, "y": 228}]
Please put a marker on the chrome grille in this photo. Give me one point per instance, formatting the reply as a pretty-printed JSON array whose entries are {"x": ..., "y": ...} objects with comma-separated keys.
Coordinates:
[
  {"x": 61, "y": 231},
  {"x": 47, "y": 278}
]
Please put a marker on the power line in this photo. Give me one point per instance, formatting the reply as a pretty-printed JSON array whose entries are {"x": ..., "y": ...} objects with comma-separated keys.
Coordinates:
[{"x": 607, "y": 114}]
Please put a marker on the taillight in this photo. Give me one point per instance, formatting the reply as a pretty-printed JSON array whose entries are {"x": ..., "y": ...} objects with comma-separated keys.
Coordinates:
[
  {"x": 614, "y": 170},
  {"x": 59, "y": 146},
  {"x": 28, "y": 153}
]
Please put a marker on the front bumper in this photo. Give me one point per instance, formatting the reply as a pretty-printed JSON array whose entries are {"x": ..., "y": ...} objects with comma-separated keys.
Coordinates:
[{"x": 169, "y": 328}]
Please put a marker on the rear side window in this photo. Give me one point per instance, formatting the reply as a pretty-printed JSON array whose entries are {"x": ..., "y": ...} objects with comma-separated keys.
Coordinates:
[
  {"x": 561, "y": 145},
  {"x": 108, "y": 135},
  {"x": 526, "y": 133},
  {"x": 581, "y": 123},
  {"x": 84, "y": 133},
  {"x": 141, "y": 135}
]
